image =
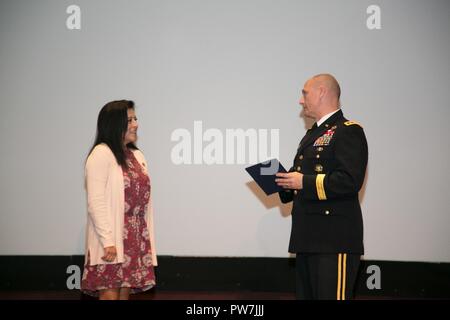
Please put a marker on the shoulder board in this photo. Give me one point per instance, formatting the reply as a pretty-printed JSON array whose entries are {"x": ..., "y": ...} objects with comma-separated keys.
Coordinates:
[{"x": 349, "y": 123}]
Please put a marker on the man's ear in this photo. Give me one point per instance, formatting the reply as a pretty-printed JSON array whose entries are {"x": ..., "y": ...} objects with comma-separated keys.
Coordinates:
[{"x": 322, "y": 91}]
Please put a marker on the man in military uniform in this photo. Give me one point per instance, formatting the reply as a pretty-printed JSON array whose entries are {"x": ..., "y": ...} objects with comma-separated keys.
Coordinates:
[{"x": 328, "y": 172}]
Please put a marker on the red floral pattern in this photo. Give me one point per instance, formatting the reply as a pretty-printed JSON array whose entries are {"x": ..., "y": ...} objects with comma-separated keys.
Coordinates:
[{"x": 136, "y": 272}]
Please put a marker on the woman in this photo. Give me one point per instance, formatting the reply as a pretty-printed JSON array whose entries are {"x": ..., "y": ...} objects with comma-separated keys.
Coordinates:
[{"x": 120, "y": 250}]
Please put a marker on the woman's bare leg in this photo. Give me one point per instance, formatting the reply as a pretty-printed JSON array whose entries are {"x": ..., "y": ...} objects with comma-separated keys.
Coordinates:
[
  {"x": 109, "y": 294},
  {"x": 124, "y": 293}
]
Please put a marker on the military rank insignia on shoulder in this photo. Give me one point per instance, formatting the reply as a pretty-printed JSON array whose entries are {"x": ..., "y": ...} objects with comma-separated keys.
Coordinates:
[{"x": 350, "y": 123}]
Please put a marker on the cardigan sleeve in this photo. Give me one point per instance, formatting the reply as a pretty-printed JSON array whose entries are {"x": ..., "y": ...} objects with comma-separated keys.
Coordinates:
[{"x": 96, "y": 171}]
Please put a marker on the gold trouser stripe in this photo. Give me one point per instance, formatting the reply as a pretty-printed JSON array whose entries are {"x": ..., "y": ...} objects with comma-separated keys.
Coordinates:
[
  {"x": 338, "y": 294},
  {"x": 320, "y": 188},
  {"x": 342, "y": 273}
]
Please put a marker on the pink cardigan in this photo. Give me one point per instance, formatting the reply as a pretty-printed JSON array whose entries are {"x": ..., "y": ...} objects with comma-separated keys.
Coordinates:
[{"x": 106, "y": 205}]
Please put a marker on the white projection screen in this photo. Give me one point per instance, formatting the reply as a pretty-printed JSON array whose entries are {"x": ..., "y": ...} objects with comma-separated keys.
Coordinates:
[{"x": 199, "y": 71}]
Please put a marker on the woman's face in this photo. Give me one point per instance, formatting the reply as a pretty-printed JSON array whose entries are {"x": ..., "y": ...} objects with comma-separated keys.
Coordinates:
[{"x": 131, "y": 133}]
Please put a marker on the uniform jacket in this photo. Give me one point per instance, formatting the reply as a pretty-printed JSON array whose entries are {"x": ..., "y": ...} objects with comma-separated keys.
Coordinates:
[
  {"x": 326, "y": 213},
  {"x": 106, "y": 205}
]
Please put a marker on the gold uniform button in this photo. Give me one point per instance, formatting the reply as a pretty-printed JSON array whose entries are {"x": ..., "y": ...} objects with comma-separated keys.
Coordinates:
[
  {"x": 319, "y": 149},
  {"x": 317, "y": 156},
  {"x": 327, "y": 125},
  {"x": 327, "y": 212},
  {"x": 318, "y": 168},
  {"x": 295, "y": 192},
  {"x": 299, "y": 168},
  {"x": 301, "y": 157}
]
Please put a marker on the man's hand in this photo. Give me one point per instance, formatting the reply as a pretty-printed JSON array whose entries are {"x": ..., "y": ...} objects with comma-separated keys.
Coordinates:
[
  {"x": 110, "y": 254},
  {"x": 290, "y": 180}
]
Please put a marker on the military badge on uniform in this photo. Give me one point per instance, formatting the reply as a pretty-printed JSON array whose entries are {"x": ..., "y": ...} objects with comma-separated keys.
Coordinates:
[
  {"x": 325, "y": 139},
  {"x": 350, "y": 123}
]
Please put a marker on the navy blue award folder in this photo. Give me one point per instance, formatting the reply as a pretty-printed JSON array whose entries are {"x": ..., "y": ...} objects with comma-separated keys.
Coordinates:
[{"x": 264, "y": 175}]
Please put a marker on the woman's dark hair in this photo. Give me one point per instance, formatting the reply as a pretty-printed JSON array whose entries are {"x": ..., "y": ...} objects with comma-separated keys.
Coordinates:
[{"x": 112, "y": 123}]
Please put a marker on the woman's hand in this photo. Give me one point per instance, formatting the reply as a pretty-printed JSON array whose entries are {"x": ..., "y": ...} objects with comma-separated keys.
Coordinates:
[{"x": 110, "y": 254}]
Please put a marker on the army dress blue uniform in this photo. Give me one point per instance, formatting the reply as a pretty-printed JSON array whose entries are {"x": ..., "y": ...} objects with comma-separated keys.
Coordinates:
[{"x": 327, "y": 226}]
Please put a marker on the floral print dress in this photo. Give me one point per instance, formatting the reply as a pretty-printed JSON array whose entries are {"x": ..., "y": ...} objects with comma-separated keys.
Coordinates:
[{"x": 136, "y": 272}]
